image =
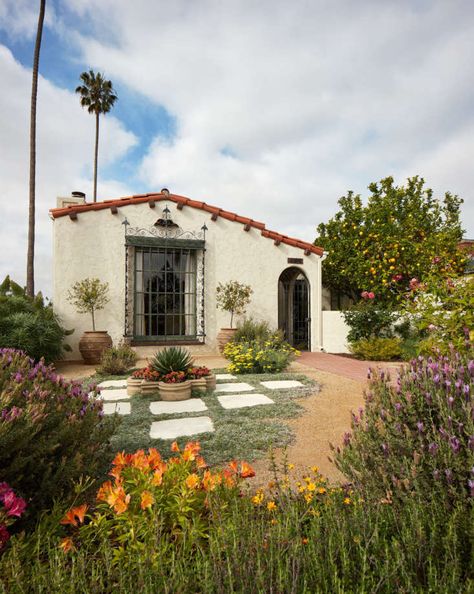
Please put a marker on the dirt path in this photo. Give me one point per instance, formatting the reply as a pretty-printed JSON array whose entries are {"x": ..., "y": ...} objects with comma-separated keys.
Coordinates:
[{"x": 326, "y": 419}]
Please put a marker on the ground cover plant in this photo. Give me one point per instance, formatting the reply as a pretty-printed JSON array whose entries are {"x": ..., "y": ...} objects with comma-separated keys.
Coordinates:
[
  {"x": 51, "y": 430},
  {"x": 117, "y": 360},
  {"x": 244, "y": 433},
  {"x": 30, "y": 324}
]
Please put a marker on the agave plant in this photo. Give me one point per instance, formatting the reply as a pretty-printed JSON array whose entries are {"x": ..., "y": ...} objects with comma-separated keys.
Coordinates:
[{"x": 172, "y": 359}]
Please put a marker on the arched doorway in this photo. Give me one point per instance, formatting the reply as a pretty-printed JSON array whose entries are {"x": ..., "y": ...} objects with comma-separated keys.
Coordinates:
[{"x": 293, "y": 307}]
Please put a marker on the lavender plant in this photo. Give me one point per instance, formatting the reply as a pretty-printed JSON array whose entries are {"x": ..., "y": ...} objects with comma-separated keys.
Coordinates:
[
  {"x": 51, "y": 430},
  {"x": 416, "y": 434}
]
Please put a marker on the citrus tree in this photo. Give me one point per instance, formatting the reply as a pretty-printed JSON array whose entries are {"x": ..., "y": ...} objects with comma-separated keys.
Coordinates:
[{"x": 396, "y": 236}]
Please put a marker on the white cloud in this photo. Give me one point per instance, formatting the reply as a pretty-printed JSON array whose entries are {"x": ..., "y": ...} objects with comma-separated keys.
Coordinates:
[
  {"x": 312, "y": 99},
  {"x": 65, "y": 142}
]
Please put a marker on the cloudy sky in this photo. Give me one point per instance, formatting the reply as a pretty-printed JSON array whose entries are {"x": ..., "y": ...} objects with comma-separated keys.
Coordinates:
[{"x": 272, "y": 109}]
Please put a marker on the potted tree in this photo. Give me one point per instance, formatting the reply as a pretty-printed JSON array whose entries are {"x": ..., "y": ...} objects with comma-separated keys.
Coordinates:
[
  {"x": 232, "y": 297},
  {"x": 89, "y": 296}
]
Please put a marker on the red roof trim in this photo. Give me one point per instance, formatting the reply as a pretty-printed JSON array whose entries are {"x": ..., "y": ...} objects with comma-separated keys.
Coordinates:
[{"x": 182, "y": 200}]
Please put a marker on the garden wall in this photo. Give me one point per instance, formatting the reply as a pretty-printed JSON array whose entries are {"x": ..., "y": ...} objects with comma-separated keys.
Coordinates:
[{"x": 335, "y": 332}]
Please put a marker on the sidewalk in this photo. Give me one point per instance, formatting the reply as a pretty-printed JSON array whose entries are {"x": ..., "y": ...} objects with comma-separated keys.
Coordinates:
[{"x": 343, "y": 366}]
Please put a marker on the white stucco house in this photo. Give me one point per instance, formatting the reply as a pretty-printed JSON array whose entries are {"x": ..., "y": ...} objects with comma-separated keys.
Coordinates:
[{"x": 163, "y": 256}]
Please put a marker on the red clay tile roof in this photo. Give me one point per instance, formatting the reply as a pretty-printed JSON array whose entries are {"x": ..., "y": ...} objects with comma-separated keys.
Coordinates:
[{"x": 156, "y": 197}]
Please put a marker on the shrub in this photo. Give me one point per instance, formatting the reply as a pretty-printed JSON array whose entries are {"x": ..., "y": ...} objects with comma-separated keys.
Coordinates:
[
  {"x": 88, "y": 296},
  {"x": 174, "y": 377},
  {"x": 416, "y": 436},
  {"x": 250, "y": 330},
  {"x": 367, "y": 319},
  {"x": 173, "y": 497},
  {"x": 117, "y": 360},
  {"x": 29, "y": 324},
  {"x": 233, "y": 297},
  {"x": 270, "y": 356},
  {"x": 50, "y": 429},
  {"x": 377, "y": 349},
  {"x": 442, "y": 309}
]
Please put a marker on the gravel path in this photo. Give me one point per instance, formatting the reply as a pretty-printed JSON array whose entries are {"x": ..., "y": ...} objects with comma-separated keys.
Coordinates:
[{"x": 326, "y": 419}]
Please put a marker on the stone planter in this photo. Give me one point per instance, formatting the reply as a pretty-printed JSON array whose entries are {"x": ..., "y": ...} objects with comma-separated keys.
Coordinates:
[
  {"x": 93, "y": 344},
  {"x": 134, "y": 385},
  {"x": 171, "y": 392},
  {"x": 224, "y": 336},
  {"x": 149, "y": 387},
  {"x": 199, "y": 384},
  {"x": 210, "y": 381}
]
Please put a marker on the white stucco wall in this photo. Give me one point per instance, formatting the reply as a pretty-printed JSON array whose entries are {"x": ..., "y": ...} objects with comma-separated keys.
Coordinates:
[
  {"x": 93, "y": 246},
  {"x": 335, "y": 332}
]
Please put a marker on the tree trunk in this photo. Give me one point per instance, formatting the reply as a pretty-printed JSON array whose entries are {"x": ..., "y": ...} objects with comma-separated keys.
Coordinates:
[
  {"x": 30, "y": 258},
  {"x": 96, "y": 154}
]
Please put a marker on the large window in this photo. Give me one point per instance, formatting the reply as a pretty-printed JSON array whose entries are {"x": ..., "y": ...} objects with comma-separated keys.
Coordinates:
[{"x": 165, "y": 293}]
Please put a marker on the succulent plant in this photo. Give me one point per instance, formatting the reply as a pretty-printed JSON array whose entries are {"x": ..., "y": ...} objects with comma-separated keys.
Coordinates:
[{"x": 172, "y": 359}]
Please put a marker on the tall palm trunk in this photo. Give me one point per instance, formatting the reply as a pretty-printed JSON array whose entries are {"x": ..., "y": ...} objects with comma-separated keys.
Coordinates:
[
  {"x": 30, "y": 258},
  {"x": 96, "y": 154}
]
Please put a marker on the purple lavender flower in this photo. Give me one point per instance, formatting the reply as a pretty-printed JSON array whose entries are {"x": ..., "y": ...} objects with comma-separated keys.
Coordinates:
[
  {"x": 433, "y": 448},
  {"x": 449, "y": 475},
  {"x": 470, "y": 367},
  {"x": 346, "y": 438},
  {"x": 436, "y": 475},
  {"x": 420, "y": 427},
  {"x": 470, "y": 484},
  {"x": 450, "y": 402},
  {"x": 436, "y": 379},
  {"x": 398, "y": 407},
  {"x": 470, "y": 444},
  {"x": 428, "y": 398},
  {"x": 455, "y": 444}
]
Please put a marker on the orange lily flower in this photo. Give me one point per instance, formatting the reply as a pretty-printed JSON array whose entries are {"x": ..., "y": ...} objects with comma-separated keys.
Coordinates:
[
  {"x": 157, "y": 478},
  {"x": 200, "y": 462},
  {"x": 69, "y": 518},
  {"x": 154, "y": 458},
  {"x": 246, "y": 471},
  {"x": 175, "y": 446},
  {"x": 120, "y": 459},
  {"x": 67, "y": 544},
  {"x": 192, "y": 481},
  {"x": 147, "y": 500},
  {"x": 80, "y": 512}
]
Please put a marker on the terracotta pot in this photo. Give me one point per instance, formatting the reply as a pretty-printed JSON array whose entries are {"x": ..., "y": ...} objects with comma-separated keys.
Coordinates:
[
  {"x": 134, "y": 385},
  {"x": 148, "y": 387},
  {"x": 171, "y": 392},
  {"x": 199, "y": 384},
  {"x": 93, "y": 344},
  {"x": 224, "y": 336},
  {"x": 211, "y": 381}
]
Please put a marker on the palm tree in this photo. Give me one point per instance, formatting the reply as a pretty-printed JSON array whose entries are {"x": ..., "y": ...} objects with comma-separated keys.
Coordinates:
[
  {"x": 30, "y": 257},
  {"x": 98, "y": 95}
]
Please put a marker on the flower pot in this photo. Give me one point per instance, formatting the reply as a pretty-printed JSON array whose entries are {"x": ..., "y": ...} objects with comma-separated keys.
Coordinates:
[
  {"x": 134, "y": 385},
  {"x": 178, "y": 391},
  {"x": 224, "y": 336},
  {"x": 93, "y": 344},
  {"x": 148, "y": 387},
  {"x": 210, "y": 381},
  {"x": 199, "y": 384}
]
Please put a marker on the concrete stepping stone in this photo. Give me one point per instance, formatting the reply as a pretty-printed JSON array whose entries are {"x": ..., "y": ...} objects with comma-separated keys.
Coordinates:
[
  {"x": 180, "y": 427},
  {"x": 114, "y": 395},
  {"x": 243, "y": 400},
  {"x": 113, "y": 384},
  {"x": 234, "y": 387},
  {"x": 121, "y": 408},
  {"x": 282, "y": 384},
  {"x": 225, "y": 376},
  {"x": 182, "y": 406}
]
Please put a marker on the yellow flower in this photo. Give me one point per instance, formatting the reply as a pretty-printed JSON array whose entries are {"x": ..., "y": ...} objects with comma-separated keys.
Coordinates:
[
  {"x": 258, "y": 498},
  {"x": 308, "y": 497},
  {"x": 291, "y": 466},
  {"x": 347, "y": 501},
  {"x": 271, "y": 506},
  {"x": 311, "y": 487},
  {"x": 321, "y": 490},
  {"x": 314, "y": 469}
]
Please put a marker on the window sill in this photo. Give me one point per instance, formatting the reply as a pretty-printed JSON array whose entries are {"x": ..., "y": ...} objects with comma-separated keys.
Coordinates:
[{"x": 172, "y": 342}]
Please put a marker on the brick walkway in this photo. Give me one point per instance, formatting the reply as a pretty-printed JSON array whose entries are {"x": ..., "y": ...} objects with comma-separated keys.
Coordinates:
[{"x": 343, "y": 366}]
